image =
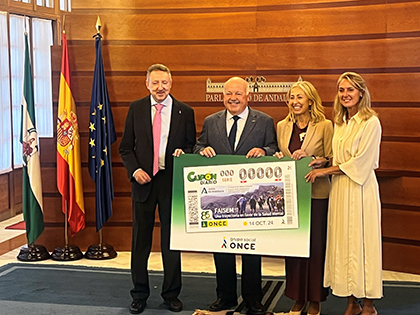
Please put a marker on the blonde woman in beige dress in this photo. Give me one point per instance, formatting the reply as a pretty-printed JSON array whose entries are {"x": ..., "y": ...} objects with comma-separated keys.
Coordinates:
[{"x": 353, "y": 264}]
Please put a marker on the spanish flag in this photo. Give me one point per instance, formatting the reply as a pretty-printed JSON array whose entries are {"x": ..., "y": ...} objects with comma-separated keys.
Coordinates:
[{"x": 69, "y": 171}]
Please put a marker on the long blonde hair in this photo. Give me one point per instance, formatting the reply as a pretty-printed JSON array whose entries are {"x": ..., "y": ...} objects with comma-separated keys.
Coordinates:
[
  {"x": 316, "y": 110},
  {"x": 364, "y": 106}
]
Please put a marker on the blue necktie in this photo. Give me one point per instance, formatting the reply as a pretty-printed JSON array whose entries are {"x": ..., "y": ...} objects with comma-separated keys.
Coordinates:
[{"x": 232, "y": 133}]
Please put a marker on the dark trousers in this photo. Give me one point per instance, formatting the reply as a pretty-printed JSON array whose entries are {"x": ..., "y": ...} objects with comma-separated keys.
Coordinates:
[
  {"x": 226, "y": 277},
  {"x": 143, "y": 223},
  {"x": 305, "y": 276}
]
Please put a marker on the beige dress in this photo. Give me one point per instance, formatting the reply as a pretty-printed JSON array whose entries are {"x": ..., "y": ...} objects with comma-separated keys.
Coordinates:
[{"x": 353, "y": 263}]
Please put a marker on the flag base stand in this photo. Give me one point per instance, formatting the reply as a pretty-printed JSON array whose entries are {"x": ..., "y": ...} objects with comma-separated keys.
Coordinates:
[
  {"x": 67, "y": 253},
  {"x": 33, "y": 253},
  {"x": 100, "y": 251}
]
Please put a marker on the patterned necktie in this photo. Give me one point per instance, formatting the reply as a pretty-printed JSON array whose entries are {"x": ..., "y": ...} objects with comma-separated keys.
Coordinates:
[
  {"x": 232, "y": 133},
  {"x": 157, "y": 122}
]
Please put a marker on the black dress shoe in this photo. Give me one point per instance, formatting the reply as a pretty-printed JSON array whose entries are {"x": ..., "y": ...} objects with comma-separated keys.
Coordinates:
[
  {"x": 221, "y": 304},
  {"x": 137, "y": 306},
  {"x": 173, "y": 304},
  {"x": 256, "y": 308}
]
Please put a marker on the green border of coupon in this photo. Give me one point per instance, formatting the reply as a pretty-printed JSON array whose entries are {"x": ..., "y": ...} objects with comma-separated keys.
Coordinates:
[{"x": 191, "y": 160}]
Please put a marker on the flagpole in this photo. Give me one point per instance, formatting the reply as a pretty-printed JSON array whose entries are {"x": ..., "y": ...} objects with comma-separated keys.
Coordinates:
[
  {"x": 66, "y": 227},
  {"x": 69, "y": 177},
  {"x": 31, "y": 169},
  {"x": 99, "y": 164}
]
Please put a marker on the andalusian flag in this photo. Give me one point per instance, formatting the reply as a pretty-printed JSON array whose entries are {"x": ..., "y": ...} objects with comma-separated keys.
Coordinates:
[
  {"x": 69, "y": 171},
  {"x": 32, "y": 185}
]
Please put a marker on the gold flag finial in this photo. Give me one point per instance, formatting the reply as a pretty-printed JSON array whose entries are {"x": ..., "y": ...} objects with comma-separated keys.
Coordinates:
[{"x": 98, "y": 24}]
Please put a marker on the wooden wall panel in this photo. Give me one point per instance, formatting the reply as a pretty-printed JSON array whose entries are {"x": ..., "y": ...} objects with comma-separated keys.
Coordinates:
[
  {"x": 142, "y": 56},
  {"x": 405, "y": 256},
  {"x": 143, "y": 26},
  {"x": 278, "y": 40},
  {"x": 403, "y": 191},
  {"x": 4, "y": 193},
  {"x": 369, "y": 53},
  {"x": 17, "y": 181},
  {"x": 399, "y": 121},
  {"x": 142, "y": 4},
  {"x": 403, "y": 17},
  {"x": 322, "y": 22},
  {"x": 406, "y": 160},
  {"x": 401, "y": 224}
]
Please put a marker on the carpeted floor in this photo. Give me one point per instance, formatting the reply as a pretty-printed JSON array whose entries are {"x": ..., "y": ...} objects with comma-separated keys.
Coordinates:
[
  {"x": 64, "y": 289},
  {"x": 34, "y": 288}
]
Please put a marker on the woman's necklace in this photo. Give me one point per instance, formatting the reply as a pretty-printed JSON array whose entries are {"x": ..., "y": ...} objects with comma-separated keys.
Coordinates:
[{"x": 302, "y": 131}]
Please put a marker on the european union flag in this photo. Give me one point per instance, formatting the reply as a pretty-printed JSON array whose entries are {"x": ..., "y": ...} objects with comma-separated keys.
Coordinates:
[{"x": 101, "y": 136}]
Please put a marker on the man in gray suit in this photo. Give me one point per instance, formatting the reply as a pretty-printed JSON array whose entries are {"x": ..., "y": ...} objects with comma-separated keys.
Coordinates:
[{"x": 237, "y": 130}]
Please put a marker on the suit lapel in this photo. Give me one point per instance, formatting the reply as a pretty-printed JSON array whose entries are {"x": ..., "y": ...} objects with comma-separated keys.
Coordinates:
[
  {"x": 147, "y": 120},
  {"x": 309, "y": 134},
  {"x": 221, "y": 129},
  {"x": 175, "y": 120},
  {"x": 286, "y": 138}
]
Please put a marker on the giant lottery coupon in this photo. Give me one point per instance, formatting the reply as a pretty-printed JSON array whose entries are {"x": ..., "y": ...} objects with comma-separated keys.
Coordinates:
[
  {"x": 231, "y": 204},
  {"x": 234, "y": 197}
]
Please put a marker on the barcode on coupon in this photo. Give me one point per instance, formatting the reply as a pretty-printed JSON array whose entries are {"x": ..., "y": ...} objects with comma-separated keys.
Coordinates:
[
  {"x": 193, "y": 208},
  {"x": 288, "y": 197}
]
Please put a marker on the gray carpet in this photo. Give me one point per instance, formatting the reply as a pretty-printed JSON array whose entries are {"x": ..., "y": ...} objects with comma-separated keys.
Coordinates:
[{"x": 34, "y": 288}]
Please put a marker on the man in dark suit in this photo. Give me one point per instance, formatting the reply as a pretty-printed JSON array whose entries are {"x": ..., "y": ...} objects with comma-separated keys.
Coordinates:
[
  {"x": 237, "y": 130},
  {"x": 157, "y": 128}
]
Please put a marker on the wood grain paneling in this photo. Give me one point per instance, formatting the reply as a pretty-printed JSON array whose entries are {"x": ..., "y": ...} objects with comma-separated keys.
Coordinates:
[
  {"x": 128, "y": 4},
  {"x": 366, "y": 53},
  {"x": 401, "y": 224},
  {"x": 403, "y": 17},
  {"x": 17, "y": 178},
  {"x": 322, "y": 22},
  {"x": 164, "y": 26},
  {"x": 142, "y": 56},
  {"x": 401, "y": 190},
  {"x": 4, "y": 193},
  {"x": 399, "y": 121},
  {"x": 278, "y": 40},
  {"x": 400, "y": 257}
]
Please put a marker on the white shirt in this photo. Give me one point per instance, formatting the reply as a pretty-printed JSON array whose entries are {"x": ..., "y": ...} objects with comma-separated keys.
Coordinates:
[
  {"x": 166, "y": 122},
  {"x": 241, "y": 123}
]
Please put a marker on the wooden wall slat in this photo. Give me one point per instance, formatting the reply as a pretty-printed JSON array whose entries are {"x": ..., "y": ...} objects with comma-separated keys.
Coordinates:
[
  {"x": 141, "y": 57},
  {"x": 322, "y": 22},
  {"x": 403, "y": 17},
  {"x": 401, "y": 224},
  {"x": 407, "y": 159},
  {"x": 378, "y": 53},
  {"x": 4, "y": 195},
  {"x": 112, "y": 4},
  {"x": 402, "y": 190},
  {"x": 399, "y": 121},
  {"x": 201, "y": 26},
  {"x": 400, "y": 257},
  {"x": 17, "y": 178}
]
